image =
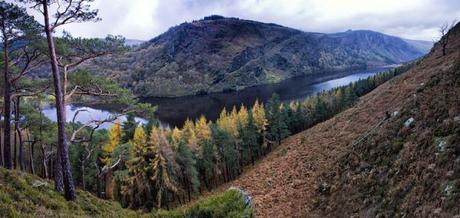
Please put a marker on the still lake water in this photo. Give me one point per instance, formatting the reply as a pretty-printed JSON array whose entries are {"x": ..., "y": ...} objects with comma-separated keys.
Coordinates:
[{"x": 174, "y": 111}]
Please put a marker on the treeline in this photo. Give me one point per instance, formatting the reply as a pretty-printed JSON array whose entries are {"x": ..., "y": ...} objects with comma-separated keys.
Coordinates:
[{"x": 156, "y": 167}]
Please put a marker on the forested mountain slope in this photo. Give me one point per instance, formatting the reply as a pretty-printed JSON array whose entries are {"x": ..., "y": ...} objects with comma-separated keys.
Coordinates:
[
  {"x": 395, "y": 153},
  {"x": 217, "y": 54}
]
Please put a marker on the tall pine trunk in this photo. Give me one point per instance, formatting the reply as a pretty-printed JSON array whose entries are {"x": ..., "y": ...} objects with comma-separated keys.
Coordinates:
[
  {"x": 63, "y": 147},
  {"x": 109, "y": 186},
  {"x": 6, "y": 104},
  {"x": 1, "y": 148},
  {"x": 19, "y": 136},
  {"x": 32, "y": 154},
  {"x": 42, "y": 147}
]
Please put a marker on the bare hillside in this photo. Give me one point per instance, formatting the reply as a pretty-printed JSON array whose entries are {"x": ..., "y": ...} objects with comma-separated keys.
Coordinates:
[{"x": 337, "y": 167}]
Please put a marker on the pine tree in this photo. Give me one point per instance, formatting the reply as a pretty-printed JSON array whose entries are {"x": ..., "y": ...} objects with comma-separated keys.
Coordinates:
[
  {"x": 189, "y": 174},
  {"x": 16, "y": 26},
  {"x": 228, "y": 153},
  {"x": 276, "y": 115},
  {"x": 129, "y": 127},
  {"x": 208, "y": 162},
  {"x": 249, "y": 143}
]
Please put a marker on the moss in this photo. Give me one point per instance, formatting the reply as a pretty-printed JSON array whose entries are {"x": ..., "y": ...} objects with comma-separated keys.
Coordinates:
[
  {"x": 18, "y": 198},
  {"x": 227, "y": 204}
]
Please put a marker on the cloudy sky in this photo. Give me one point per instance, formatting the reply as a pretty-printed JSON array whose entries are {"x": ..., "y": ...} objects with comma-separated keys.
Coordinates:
[{"x": 144, "y": 19}]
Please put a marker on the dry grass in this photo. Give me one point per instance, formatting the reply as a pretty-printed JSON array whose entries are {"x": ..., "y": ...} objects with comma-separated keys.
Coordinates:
[{"x": 286, "y": 182}]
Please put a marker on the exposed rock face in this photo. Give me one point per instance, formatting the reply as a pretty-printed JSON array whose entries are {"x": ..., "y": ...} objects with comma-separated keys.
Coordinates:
[
  {"x": 218, "y": 54},
  {"x": 244, "y": 195}
]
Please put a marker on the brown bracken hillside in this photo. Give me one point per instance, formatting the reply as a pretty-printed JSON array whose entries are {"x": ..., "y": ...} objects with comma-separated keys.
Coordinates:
[{"x": 361, "y": 164}]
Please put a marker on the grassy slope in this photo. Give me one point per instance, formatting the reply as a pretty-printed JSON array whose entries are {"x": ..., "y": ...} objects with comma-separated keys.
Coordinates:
[
  {"x": 19, "y": 197},
  {"x": 287, "y": 182}
]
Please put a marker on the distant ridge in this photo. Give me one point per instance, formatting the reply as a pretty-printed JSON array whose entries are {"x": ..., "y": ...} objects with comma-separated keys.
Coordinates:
[{"x": 218, "y": 53}]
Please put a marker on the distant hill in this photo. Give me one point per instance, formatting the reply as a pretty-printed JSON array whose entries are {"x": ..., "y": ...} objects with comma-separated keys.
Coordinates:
[
  {"x": 217, "y": 54},
  {"x": 422, "y": 46}
]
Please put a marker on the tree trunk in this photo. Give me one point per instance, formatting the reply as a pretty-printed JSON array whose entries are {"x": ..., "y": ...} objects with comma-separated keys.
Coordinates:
[
  {"x": 44, "y": 161},
  {"x": 32, "y": 165},
  {"x": 63, "y": 147},
  {"x": 42, "y": 146},
  {"x": 189, "y": 192},
  {"x": 6, "y": 104},
  {"x": 1, "y": 148},
  {"x": 19, "y": 135},
  {"x": 58, "y": 177},
  {"x": 109, "y": 184},
  {"x": 15, "y": 148},
  {"x": 83, "y": 182},
  {"x": 98, "y": 185}
]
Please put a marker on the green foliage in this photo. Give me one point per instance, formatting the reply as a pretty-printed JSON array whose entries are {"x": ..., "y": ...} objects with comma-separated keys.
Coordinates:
[
  {"x": 207, "y": 163},
  {"x": 129, "y": 126},
  {"x": 250, "y": 143},
  {"x": 187, "y": 163},
  {"x": 227, "y": 204},
  {"x": 227, "y": 151},
  {"x": 277, "y": 117},
  {"x": 19, "y": 198}
]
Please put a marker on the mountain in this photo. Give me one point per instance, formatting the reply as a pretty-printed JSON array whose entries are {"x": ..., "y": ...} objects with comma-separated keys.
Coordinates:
[
  {"x": 394, "y": 153},
  {"x": 422, "y": 46},
  {"x": 218, "y": 54}
]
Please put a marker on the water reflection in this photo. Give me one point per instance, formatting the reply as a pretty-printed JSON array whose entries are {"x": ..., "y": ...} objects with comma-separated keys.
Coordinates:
[
  {"x": 86, "y": 114},
  {"x": 174, "y": 111}
]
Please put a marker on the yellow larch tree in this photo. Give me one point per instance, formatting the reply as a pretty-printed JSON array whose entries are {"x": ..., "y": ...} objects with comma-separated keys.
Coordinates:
[
  {"x": 202, "y": 130},
  {"x": 243, "y": 116},
  {"x": 260, "y": 121},
  {"x": 188, "y": 133},
  {"x": 108, "y": 149},
  {"x": 176, "y": 135}
]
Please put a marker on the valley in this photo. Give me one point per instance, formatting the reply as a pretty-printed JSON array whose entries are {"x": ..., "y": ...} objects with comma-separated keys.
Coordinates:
[
  {"x": 174, "y": 111},
  {"x": 292, "y": 109},
  {"x": 216, "y": 54}
]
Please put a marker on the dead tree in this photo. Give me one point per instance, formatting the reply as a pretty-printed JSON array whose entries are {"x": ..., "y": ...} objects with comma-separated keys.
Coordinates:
[{"x": 444, "y": 30}]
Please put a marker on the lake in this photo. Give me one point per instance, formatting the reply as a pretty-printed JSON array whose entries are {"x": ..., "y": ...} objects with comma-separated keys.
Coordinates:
[{"x": 174, "y": 111}]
